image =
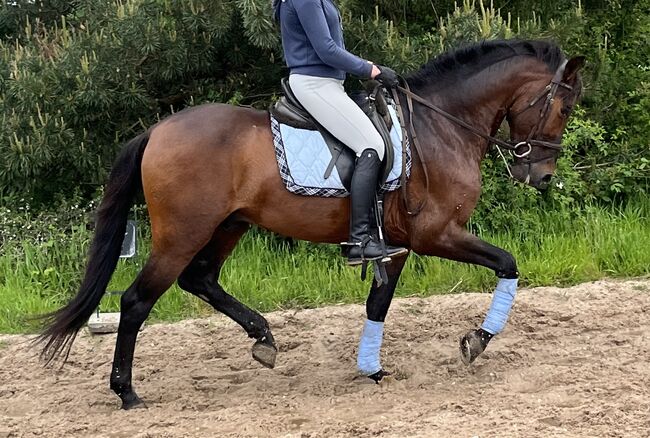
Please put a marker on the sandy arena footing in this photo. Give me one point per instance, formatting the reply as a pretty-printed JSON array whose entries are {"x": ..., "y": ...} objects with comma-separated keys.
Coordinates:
[{"x": 572, "y": 363}]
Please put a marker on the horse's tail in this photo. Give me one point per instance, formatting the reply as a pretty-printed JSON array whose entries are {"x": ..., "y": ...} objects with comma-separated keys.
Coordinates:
[{"x": 124, "y": 183}]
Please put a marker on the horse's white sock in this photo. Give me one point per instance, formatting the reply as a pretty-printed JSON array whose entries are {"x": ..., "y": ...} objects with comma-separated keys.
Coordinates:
[
  {"x": 504, "y": 296},
  {"x": 369, "y": 347}
]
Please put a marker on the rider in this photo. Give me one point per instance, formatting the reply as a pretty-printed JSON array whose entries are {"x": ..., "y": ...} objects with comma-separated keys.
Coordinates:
[{"x": 312, "y": 39}]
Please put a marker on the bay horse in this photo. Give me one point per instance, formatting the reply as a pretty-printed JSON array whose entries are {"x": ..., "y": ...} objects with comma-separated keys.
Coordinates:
[{"x": 212, "y": 169}]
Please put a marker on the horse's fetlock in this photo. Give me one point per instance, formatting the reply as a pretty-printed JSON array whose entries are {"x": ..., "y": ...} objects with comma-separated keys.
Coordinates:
[{"x": 119, "y": 386}]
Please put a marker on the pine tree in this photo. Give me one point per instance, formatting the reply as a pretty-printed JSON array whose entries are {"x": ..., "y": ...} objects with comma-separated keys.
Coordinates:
[{"x": 78, "y": 78}]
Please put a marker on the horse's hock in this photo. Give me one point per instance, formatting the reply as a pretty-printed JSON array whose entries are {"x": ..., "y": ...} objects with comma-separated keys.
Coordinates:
[{"x": 108, "y": 322}]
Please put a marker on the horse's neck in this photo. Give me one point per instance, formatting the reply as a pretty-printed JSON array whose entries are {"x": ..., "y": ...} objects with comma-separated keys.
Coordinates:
[{"x": 480, "y": 101}]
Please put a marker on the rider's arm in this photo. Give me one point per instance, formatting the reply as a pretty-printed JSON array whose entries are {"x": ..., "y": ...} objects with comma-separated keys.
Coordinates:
[{"x": 312, "y": 18}]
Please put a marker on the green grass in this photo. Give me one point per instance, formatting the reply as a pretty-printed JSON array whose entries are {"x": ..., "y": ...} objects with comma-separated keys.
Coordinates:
[{"x": 267, "y": 273}]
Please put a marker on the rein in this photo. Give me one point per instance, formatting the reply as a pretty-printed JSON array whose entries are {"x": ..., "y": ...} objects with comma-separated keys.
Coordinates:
[{"x": 513, "y": 146}]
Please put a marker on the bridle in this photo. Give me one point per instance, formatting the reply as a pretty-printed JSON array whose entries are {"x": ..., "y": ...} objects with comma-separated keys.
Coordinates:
[
  {"x": 519, "y": 149},
  {"x": 550, "y": 90}
]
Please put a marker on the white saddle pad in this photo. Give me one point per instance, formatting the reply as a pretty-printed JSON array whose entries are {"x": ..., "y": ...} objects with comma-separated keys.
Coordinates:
[{"x": 303, "y": 157}]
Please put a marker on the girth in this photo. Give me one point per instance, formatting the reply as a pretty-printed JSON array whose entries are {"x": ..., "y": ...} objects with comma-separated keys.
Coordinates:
[{"x": 288, "y": 110}]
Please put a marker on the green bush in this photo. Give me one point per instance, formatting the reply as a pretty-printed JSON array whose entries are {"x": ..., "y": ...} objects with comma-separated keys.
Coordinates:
[
  {"x": 72, "y": 91},
  {"x": 79, "y": 78}
]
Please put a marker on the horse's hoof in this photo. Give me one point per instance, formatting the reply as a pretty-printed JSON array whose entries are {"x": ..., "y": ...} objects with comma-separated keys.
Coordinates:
[
  {"x": 133, "y": 402},
  {"x": 381, "y": 377},
  {"x": 471, "y": 347},
  {"x": 265, "y": 353}
]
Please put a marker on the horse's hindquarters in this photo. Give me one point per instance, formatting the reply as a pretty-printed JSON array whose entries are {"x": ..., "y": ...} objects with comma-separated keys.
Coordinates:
[{"x": 210, "y": 162}]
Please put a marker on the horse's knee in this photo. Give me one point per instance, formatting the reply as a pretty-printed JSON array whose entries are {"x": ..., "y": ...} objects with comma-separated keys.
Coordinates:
[
  {"x": 134, "y": 309},
  {"x": 507, "y": 266}
]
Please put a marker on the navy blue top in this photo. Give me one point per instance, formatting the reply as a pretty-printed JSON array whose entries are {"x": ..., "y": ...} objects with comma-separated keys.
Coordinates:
[{"x": 312, "y": 39}]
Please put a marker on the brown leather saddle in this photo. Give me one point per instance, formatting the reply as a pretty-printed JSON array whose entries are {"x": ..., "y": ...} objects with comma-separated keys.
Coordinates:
[{"x": 287, "y": 110}]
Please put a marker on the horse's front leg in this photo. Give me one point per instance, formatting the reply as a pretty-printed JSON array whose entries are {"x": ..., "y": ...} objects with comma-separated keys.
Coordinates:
[
  {"x": 377, "y": 304},
  {"x": 462, "y": 246}
]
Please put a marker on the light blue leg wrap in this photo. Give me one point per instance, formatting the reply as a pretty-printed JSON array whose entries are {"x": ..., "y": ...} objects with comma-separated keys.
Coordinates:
[
  {"x": 502, "y": 300},
  {"x": 369, "y": 347}
]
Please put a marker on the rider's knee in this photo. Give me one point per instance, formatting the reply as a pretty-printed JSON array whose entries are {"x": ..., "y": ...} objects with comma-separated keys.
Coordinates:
[{"x": 376, "y": 143}]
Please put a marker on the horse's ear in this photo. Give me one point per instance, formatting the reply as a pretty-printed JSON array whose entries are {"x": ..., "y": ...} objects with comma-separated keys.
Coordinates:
[{"x": 572, "y": 67}]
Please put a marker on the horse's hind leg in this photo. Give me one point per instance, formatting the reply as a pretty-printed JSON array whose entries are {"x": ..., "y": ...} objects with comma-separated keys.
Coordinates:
[
  {"x": 170, "y": 254},
  {"x": 156, "y": 277},
  {"x": 201, "y": 278}
]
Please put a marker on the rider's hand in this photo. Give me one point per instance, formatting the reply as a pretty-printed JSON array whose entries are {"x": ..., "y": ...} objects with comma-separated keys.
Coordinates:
[
  {"x": 375, "y": 71},
  {"x": 386, "y": 76}
]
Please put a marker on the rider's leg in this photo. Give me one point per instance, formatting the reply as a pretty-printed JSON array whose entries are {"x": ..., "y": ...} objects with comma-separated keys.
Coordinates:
[
  {"x": 327, "y": 102},
  {"x": 362, "y": 197},
  {"x": 325, "y": 99}
]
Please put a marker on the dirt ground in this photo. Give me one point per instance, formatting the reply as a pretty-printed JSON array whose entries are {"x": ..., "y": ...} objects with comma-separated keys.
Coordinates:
[{"x": 572, "y": 363}]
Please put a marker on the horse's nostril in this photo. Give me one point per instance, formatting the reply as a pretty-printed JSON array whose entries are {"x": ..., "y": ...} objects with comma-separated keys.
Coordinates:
[{"x": 547, "y": 178}]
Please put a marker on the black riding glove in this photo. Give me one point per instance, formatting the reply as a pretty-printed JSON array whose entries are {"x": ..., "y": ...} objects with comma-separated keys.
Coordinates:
[{"x": 388, "y": 78}]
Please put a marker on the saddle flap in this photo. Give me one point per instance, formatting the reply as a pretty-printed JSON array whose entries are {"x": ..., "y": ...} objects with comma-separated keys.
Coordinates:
[
  {"x": 380, "y": 126},
  {"x": 374, "y": 105}
]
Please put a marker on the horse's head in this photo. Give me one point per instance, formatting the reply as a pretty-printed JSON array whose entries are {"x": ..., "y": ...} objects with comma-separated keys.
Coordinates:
[{"x": 537, "y": 119}]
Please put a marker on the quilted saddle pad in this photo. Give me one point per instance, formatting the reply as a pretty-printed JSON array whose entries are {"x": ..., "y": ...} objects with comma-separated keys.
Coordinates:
[{"x": 303, "y": 157}]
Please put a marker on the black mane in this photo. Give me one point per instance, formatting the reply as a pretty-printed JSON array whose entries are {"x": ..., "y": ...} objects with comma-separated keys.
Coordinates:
[{"x": 452, "y": 66}]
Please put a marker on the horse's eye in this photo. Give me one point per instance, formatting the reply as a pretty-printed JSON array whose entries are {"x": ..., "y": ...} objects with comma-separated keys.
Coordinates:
[{"x": 566, "y": 110}]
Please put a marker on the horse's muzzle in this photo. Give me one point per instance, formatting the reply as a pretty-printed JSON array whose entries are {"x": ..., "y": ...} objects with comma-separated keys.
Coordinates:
[{"x": 532, "y": 176}]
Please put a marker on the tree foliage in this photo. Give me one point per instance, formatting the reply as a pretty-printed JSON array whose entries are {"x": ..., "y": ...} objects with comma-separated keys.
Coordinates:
[
  {"x": 72, "y": 90},
  {"x": 78, "y": 78}
]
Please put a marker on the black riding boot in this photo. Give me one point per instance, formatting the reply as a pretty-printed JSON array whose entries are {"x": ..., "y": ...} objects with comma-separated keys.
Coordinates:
[{"x": 365, "y": 246}]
